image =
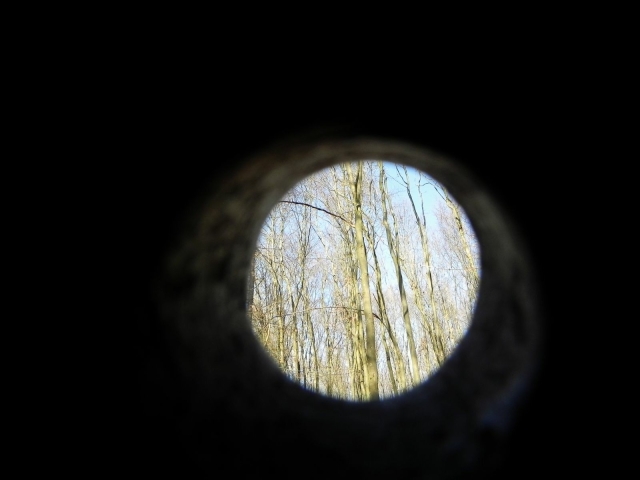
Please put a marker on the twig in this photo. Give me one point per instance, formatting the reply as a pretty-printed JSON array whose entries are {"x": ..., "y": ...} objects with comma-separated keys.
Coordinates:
[{"x": 318, "y": 208}]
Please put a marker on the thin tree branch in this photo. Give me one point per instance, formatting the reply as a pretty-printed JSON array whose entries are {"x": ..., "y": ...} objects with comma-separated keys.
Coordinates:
[{"x": 318, "y": 208}]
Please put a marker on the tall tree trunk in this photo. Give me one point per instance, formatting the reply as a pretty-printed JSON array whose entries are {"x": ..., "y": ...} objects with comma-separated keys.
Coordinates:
[
  {"x": 392, "y": 240},
  {"x": 329, "y": 367},
  {"x": 392, "y": 378},
  {"x": 361, "y": 254},
  {"x": 438, "y": 336},
  {"x": 277, "y": 272},
  {"x": 314, "y": 348},
  {"x": 384, "y": 317},
  {"x": 470, "y": 265},
  {"x": 296, "y": 371},
  {"x": 359, "y": 339}
]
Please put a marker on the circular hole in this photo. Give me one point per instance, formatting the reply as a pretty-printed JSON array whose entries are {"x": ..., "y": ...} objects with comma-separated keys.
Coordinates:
[
  {"x": 364, "y": 280},
  {"x": 455, "y": 423}
]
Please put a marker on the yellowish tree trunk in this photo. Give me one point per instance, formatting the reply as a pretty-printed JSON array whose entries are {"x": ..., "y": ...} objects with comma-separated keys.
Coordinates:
[
  {"x": 392, "y": 241},
  {"x": 361, "y": 254}
]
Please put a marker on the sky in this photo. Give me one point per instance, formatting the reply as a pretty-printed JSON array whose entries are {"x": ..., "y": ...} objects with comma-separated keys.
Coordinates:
[
  {"x": 324, "y": 224},
  {"x": 429, "y": 194}
]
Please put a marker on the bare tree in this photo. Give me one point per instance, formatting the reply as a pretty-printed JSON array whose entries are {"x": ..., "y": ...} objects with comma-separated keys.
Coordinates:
[
  {"x": 392, "y": 242},
  {"x": 437, "y": 336},
  {"x": 319, "y": 296}
]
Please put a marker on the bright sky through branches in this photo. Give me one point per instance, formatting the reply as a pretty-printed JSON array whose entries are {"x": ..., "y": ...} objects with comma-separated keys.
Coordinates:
[{"x": 308, "y": 289}]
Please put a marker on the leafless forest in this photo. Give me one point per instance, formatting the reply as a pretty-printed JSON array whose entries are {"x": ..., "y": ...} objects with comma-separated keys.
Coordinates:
[{"x": 364, "y": 280}]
